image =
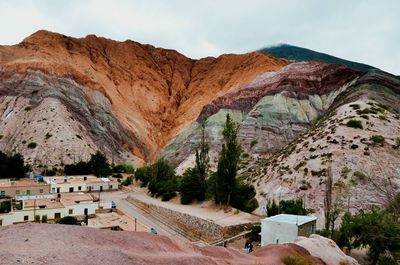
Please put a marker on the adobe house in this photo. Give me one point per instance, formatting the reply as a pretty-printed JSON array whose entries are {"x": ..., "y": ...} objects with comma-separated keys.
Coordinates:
[{"x": 285, "y": 228}]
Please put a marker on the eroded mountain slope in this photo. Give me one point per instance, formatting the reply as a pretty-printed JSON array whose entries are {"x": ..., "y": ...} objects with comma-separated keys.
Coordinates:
[{"x": 151, "y": 93}]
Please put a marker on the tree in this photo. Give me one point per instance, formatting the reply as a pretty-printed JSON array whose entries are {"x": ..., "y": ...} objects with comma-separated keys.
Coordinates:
[
  {"x": 243, "y": 197},
  {"x": 228, "y": 162},
  {"x": 192, "y": 186},
  {"x": 11, "y": 166},
  {"x": 376, "y": 228},
  {"x": 202, "y": 158},
  {"x": 99, "y": 165}
]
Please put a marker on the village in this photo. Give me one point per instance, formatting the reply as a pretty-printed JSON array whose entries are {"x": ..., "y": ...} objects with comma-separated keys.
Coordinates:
[{"x": 104, "y": 203}]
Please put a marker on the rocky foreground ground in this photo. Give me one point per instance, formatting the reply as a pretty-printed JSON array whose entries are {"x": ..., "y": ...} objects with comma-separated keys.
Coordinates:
[{"x": 32, "y": 243}]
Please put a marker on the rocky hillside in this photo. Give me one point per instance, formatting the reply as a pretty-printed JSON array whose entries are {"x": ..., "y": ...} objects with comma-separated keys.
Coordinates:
[
  {"x": 356, "y": 144},
  {"x": 305, "y": 123},
  {"x": 73, "y": 96},
  {"x": 65, "y": 244}
]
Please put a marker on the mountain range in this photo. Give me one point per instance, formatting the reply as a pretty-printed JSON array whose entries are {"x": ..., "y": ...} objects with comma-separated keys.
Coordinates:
[{"x": 304, "y": 118}]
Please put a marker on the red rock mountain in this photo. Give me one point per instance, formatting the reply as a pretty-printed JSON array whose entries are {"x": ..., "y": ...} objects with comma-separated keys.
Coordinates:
[{"x": 152, "y": 93}]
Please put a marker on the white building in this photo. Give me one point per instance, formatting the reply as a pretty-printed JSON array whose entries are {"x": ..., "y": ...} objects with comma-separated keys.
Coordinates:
[
  {"x": 64, "y": 184},
  {"x": 285, "y": 228},
  {"x": 53, "y": 207}
]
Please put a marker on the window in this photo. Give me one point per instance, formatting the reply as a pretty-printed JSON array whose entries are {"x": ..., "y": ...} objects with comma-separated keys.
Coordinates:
[
  {"x": 70, "y": 211},
  {"x": 26, "y": 218},
  {"x": 57, "y": 215},
  {"x": 71, "y": 189},
  {"x": 17, "y": 192},
  {"x": 28, "y": 192},
  {"x": 53, "y": 190},
  {"x": 41, "y": 190},
  {"x": 79, "y": 188}
]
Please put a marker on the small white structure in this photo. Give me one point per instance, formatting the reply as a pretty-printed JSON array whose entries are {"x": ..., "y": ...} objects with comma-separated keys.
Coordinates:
[
  {"x": 285, "y": 228},
  {"x": 66, "y": 184},
  {"x": 53, "y": 207}
]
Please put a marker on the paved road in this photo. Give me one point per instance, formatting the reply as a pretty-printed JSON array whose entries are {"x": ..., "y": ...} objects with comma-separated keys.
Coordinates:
[{"x": 119, "y": 198}]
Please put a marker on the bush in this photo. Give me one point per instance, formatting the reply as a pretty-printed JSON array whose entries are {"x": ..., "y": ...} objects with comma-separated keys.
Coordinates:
[
  {"x": 243, "y": 197},
  {"x": 286, "y": 206},
  {"x": 354, "y": 124},
  {"x": 124, "y": 168},
  {"x": 44, "y": 219},
  {"x": 355, "y": 106},
  {"x": 378, "y": 139},
  {"x": 32, "y": 145},
  {"x": 48, "y": 135},
  {"x": 37, "y": 218},
  {"x": 128, "y": 181},
  {"x": 255, "y": 233},
  {"x": 253, "y": 143},
  {"x": 68, "y": 220},
  {"x": 5, "y": 206}
]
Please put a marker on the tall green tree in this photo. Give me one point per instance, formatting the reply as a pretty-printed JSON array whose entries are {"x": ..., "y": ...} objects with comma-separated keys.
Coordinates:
[
  {"x": 228, "y": 162},
  {"x": 202, "y": 158},
  {"x": 99, "y": 165}
]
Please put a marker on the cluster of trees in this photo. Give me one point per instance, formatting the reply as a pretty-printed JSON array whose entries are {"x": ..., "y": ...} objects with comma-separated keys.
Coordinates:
[
  {"x": 12, "y": 165},
  {"x": 286, "y": 206},
  {"x": 197, "y": 184},
  {"x": 378, "y": 228},
  {"x": 97, "y": 165}
]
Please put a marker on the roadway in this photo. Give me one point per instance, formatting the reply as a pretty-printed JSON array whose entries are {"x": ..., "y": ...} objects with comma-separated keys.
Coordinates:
[{"x": 119, "y": 197}]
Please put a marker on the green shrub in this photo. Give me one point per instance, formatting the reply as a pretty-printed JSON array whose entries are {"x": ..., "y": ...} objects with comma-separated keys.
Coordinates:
[
  {"x": 345, "y": 171},
  {"x": 68, "y": 220},
  {"x": 44, "y": 219},
  {"x": 128, "y": 181},
  {"x": 359, "y": 175},
  {"x": 28, "y": 108},
  {"x": 5, "y": 206},
  {"x": 378, "y": 139},
  {"x": 255, "y": 233},
  {"x": 32, "y": 145},
  {"x": 354, "y": 124},
  {"x": 48, "y": 135},
  {"x": 355, "y": 106},
  {"x": 253, "y": 143},
  {"x": 37, "y": 218}
]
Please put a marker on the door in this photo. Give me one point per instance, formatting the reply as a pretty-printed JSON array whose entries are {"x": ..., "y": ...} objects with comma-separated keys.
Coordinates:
[
  {"x": 71, "y": 189},
  {"x": 85, "y": 212},
  {"x": 58, "y": 190},
  {"x": 101, "y": 188}
]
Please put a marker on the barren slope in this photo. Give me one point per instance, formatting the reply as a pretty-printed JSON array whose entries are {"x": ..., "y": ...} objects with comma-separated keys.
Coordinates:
[
  {"x": 65, "y": 244},
  {"x": 152, "y": 93}
]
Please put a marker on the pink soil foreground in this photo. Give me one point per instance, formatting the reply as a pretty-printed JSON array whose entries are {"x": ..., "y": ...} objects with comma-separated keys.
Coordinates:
[{"x": 62, "y": 244}]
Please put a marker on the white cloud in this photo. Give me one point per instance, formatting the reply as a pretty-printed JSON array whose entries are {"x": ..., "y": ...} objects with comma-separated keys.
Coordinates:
[{"x": 365, "y": 31}]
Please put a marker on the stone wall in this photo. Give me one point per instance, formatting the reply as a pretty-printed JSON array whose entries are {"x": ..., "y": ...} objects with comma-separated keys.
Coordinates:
[{"x": 194, "y": 226}]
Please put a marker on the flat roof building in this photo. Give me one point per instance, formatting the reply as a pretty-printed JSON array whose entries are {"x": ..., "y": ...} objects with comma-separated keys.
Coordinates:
[
  {"x": 22, "y": 187},
  {"x": 65, "y": 184},
  {"x": 285, "y": 228}
]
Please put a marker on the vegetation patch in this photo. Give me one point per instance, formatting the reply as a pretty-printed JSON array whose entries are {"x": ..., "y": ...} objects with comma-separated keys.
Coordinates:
[
  {"x": 378, "y": 139},
  {"x": 32, "y": 145},
  {"x": 354, "y": 124}
]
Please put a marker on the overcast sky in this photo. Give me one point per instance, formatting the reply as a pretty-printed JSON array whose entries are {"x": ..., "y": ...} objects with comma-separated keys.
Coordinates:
[{"x": 365, "y": 31}]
